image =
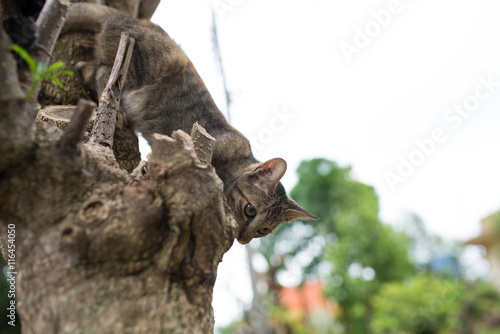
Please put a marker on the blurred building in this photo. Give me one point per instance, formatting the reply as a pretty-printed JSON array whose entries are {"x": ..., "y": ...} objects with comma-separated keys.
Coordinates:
[
  {"x": 307, "y": 299},
  {"x": 490, "y": 239},
  {"x": 445, "y": 265}
]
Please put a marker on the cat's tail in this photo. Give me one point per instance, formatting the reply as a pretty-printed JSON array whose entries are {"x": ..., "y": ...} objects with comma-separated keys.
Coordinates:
[{"x": 87, "y": 16}]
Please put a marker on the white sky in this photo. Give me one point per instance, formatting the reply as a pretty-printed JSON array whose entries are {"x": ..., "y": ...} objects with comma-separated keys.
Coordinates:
[{"x": 285, "y": 55}]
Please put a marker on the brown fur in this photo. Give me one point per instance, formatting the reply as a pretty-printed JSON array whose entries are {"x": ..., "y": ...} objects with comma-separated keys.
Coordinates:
[{"x": 163, "y": 93}]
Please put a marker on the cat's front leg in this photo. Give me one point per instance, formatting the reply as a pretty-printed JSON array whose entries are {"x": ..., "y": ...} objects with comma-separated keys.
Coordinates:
[
  {"x": 101, "y": 78},
  {"x": 92, "y": 78},
  {"x": 85, "y": 73}
]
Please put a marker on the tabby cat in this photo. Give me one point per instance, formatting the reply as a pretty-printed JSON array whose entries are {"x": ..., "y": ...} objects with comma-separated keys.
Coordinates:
[{"x": 163, "y": 93}]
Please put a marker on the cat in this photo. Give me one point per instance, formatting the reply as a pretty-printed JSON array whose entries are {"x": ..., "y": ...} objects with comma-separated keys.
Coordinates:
[{"x": 163, "y": 93}]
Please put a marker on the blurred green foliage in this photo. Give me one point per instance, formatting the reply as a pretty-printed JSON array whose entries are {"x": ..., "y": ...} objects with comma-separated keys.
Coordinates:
[
  {"x": 235, "y": 327},
  {"x": 479, "y": 310},
  {"x": 428, "y": 304},
  {"x": 424, "y": 304},
  {"x": 318, "y": 321},
  {"x": 291, "y": 321}
]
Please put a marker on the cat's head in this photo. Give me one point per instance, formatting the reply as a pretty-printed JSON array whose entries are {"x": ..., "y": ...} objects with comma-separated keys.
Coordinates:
[{"x": 259, "y": 201}]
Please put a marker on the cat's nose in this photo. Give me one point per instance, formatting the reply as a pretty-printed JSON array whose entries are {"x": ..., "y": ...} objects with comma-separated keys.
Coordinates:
[{"x": 241, "y": 240}]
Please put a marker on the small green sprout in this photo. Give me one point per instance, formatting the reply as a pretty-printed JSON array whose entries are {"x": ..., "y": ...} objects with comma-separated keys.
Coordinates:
[{"x": 39, "y": 71}]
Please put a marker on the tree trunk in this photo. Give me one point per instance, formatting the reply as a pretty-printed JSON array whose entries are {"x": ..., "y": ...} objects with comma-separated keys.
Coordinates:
[{"x": 99, "y": 249}]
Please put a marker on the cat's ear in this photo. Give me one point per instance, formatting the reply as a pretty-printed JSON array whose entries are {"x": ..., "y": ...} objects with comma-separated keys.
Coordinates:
[
  {"x": 294, "y": 211},
  {"x": 269, "y": 173}
]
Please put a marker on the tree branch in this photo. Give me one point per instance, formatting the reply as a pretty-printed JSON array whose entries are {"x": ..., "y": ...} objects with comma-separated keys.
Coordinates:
[
  {"x": 203, "y": 142},
  {"x": 49, "y": 23},
  {"x": 9, "y": 82},
  {"x": 16, "y": 116},
  {"x": 68, "y": 143},
  {"x": 109, "y": 103},
  {"x": 218, "y": 59},
  {"x": 122, "y": 76}
]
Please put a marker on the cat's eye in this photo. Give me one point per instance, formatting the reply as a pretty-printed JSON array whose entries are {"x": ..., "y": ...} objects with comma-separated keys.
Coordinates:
[
  {"x": 250, "y": 211},
  {"x": 264, "y": 231}
]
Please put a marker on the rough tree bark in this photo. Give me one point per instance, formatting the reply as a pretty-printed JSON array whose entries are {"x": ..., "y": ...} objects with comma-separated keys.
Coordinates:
[{"x": 98, "y": 249}]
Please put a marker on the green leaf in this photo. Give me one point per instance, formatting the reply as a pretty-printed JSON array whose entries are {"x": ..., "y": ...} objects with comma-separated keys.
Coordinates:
[
  {"x": 26, "y": 56},
  {"x": 56, "y": 66},
  {"x": 57, "y": 81},
  {"x": 70, "y": 73},
  {"x": 45, "y": 75},
  {"x": 40, "y": 71}
]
